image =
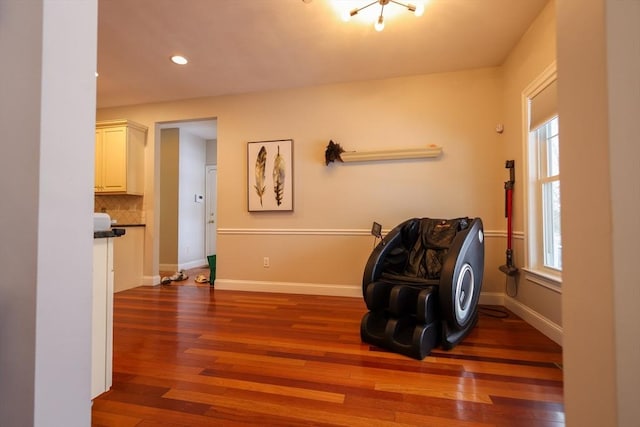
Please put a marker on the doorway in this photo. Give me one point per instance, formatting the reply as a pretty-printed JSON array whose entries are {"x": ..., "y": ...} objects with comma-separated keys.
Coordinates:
[{"x": 187, "y": 199}]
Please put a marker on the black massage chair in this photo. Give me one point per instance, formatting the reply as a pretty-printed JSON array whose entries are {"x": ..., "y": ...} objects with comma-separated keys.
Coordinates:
[{"x": 422, "y": 284}]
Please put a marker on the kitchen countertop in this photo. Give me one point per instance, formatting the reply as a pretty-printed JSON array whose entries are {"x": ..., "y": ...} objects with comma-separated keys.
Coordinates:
[{"x": 114, "y": 232}]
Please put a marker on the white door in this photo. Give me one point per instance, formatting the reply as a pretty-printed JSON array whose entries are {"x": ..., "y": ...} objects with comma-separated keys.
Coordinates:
[{"x": 211, "y": 204}]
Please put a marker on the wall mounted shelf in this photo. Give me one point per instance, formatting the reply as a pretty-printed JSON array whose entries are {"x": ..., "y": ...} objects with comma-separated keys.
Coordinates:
[{"x": 394, "y": 154}]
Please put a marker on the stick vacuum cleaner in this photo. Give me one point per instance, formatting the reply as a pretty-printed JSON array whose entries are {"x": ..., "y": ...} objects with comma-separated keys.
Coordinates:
[{"x": 508, "y": 268}]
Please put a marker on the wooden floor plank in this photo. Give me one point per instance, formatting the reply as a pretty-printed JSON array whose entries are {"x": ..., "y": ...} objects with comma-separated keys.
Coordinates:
[{"x": 191, "y": 355}]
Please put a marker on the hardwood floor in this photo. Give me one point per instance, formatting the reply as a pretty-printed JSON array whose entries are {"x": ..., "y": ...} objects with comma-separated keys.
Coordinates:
[{"x": 190, "y": 355}]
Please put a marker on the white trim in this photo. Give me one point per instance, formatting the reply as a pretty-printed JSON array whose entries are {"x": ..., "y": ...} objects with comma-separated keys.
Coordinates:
[
  {"x": 290, "y": 288},
  {"x": 491, "y": 298},
  {"x": 545, "y": 280},
  {"x": 150, "y": 280},
  {"x": 295, "y": 231},
  {"x": 535, "y": 319},
  {"x": 549, "y": 75},
  {"x": 333, "y": 232},
  {"x": 209, "y": 203},
  {"x": 503, "y": 234},
  {"x": 355, "y": 291}
]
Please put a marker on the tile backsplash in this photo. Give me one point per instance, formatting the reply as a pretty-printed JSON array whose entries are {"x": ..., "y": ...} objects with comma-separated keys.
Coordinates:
[{"x": 125, "y": 209}]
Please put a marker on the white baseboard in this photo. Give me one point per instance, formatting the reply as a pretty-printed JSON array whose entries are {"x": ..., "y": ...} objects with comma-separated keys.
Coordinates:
[
  {"x": 150, "y": 280},
  {"x": 290, "y": 288},
  {"x": 491, "y": 298},
  {"x": 535, "y": 319},
  {"x": 355, "y": 291}
]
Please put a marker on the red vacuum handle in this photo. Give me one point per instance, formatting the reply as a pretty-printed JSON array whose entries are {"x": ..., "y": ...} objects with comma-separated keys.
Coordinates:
[
  {"x": 508, "y": 187},
  {"x": 509, "y": 215}
]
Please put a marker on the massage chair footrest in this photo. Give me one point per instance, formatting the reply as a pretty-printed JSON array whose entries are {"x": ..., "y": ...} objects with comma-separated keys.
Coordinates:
[
  {"x": 404, "y": 300},
  {"x": 402, "y": 335}
]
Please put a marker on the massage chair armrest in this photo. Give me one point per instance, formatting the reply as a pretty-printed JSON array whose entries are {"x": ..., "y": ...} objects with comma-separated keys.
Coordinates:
[
  {"x": 465, "y": 240},
  {"x": 375, "y": 263},
  {"x": 463, "y": 271}
]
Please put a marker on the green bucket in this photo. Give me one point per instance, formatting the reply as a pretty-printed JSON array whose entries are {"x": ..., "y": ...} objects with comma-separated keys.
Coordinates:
[{"x": 212, "y": 268}]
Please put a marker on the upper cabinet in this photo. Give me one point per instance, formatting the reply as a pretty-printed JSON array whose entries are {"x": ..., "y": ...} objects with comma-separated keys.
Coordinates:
[{"x": 119, "y": 165}]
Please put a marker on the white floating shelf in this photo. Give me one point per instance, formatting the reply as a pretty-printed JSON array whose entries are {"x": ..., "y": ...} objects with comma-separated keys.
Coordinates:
[{"x": 395, "y": 154}]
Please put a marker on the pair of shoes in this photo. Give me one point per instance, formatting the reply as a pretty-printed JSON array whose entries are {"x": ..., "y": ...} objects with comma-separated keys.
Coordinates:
[
  {"x": 176, "y": 277},
  {"x": 201, "y": 278},
  {"x": 179, "y": 276}
]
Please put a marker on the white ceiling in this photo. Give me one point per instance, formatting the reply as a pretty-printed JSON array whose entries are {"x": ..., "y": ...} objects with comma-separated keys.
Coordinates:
[{"x": 240, "y": 46}]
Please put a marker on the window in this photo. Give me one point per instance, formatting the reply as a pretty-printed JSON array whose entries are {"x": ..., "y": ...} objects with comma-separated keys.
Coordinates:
[
  {"x": 542, "y": 140},
  {"x": 548, "y": 189}
]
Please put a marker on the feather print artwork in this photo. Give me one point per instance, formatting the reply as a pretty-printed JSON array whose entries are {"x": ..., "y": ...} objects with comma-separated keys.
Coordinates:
[
  {"x": 278, "y": 177},
  {"x": 261, "y": 163}
]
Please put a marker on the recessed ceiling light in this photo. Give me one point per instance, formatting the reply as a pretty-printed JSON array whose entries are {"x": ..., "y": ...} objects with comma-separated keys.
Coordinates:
[{"x": 180, "y": 60}]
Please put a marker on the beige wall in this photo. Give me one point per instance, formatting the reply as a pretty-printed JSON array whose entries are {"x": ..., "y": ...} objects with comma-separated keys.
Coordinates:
[
  {"x": 169, "y": 179},
  {"x": 600, "y": 313},
  {"x": 599, "y": 106},
  {"x": 598, "y": 303},
  {"x": 623, "y": 84},
  {"x": 47, "y": 106},
  {"x": 325, "y": 239},
  {"x": 535, "y": 52}
]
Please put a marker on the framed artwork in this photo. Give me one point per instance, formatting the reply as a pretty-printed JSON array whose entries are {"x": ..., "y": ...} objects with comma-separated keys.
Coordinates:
[{"x": 270, "y": 175}]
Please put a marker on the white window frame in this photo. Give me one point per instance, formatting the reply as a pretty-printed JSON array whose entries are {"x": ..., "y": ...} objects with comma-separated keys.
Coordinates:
[
  {"x": 540, "y": 138},
  {"x": 534, "y": 257}
]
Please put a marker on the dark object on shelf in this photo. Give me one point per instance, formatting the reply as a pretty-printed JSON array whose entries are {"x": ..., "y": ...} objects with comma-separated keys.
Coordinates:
[
  {"x": 332, "y": 153},
  {"x": 509, "y": 269},
  {"x": 422, "y": 285}
]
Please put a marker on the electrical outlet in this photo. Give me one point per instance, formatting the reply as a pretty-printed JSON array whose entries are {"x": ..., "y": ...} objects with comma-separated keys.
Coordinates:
[{"x": 265, "y": 262}]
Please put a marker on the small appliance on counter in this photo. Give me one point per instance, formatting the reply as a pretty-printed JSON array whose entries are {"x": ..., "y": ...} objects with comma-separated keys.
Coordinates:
[
  {"x": 101, "y": 221},
  {"x": 102, "y": 226}
]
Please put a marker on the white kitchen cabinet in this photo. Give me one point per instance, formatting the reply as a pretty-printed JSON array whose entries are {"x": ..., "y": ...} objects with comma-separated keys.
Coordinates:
[
  {"x": 128, "y": 259},
  {"x": 102, "y": 317},
  {"x": 119, "y": 157}
]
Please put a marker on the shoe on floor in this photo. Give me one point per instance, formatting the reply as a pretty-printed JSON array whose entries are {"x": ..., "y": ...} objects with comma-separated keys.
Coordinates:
[
  {"x": 201, "y": 278},
  {"x": 179, "y": 276}
]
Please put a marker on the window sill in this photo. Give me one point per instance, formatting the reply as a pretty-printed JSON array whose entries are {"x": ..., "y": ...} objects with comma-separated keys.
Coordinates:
[{"x": 543, "y": 279}]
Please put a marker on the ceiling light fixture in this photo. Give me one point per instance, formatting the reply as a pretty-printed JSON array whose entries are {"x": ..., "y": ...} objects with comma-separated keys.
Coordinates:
[
  {"x": 180, "y": 60},
  {"x": 417, "y": 9}
]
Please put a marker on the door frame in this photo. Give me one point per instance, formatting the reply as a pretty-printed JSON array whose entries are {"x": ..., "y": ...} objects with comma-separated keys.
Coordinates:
[{"x": 208, "y": 203}]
